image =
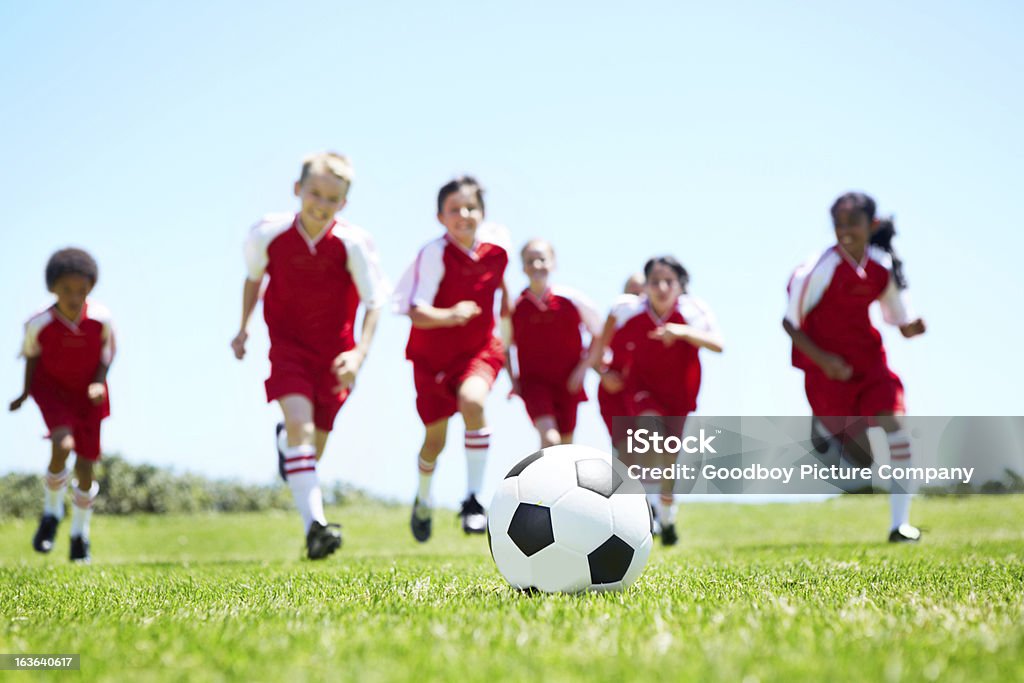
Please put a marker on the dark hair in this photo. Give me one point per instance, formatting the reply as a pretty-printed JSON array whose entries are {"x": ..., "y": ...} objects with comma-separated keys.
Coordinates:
[
  {"x": 71, "y": 261},
  {"x": 882, "y": 238},
  {"x": 671, "y": 262},
  {"x": 457, "y": 185},
  {"x": 855, "y": 201}
]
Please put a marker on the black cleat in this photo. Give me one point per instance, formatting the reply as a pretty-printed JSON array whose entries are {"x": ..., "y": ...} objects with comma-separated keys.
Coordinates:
[
  {"x": 819, "y": 439},
  {"x": 420, "y": 522},
  {"x": 322, "y": 540},
  {"x": 474, "y": 519},
  {"x": 905, "y": 533},
  {"x": 80, "y": 550},
  {"x": 280, "y": 453},
  {"x": 42, "y": 542},
  {"x": 668, "y": 535}
]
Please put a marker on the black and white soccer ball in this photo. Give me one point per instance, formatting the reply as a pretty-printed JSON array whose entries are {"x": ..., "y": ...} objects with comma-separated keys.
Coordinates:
[{"x": 567, "y": 519}]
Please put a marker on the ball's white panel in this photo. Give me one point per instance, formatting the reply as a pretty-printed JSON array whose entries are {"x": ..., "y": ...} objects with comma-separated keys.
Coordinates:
[
  {"x": 581, "y": 520},
  {"x": 636, "y": 567},
  {"x": 546, "y": 480},
  {"x": 503, "y": 506},
  {"x": 631, "y": 519},
  {"x": 607, "y": 587},
  {"x": 576, "y": 452},
  {"x": 628, "y": 485},
  {"x": 512, "y": 564},
  {"x": 557, "y": 569}
]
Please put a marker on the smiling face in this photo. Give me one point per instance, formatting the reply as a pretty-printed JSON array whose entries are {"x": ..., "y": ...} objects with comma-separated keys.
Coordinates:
[
  {"x": 538, "y": 261},
  {"x": 663, "y": 288},
  {"x": 853, "y": 231},
  {"x": 71, "y": 290},
  {"x": 461, "y": 215},
  {"x": 322, "y": 195}
]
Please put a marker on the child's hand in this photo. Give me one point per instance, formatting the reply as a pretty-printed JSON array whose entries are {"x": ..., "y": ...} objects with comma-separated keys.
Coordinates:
[
  {"x": 16, "y": 403},
  {"x": 835, "y": 367},
  {"x": 665, "y": 334},
  {"x": 238, "y": 344},
  {"x": 463, "y": 312},
  {"x": 345, "y": 367},
  {"x": 612, "y": 382},
  {"x": 576, "y": 378},
  {"x": 97, "y": 392},
  {"x": 912, "y": 329}
]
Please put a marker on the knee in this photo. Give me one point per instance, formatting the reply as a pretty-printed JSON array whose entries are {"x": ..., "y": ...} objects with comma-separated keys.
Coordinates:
[
  {"x": 550, "y": 437},
  {"x": 300, "y": 432},
  {"x": 63, "y": 444},
  {"x": 471, "y": 407},
  {"x": 432, "y": 446}
]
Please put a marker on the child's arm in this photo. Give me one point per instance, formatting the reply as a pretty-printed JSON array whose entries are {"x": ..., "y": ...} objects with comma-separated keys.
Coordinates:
[
  {"x": 30, "y": 370},
  {"x": 702, "y": 339},
  {"x": 832, "y": 365},
  {"x": 250, "y": 295},
  {"x": 346, "y": 366},
  {"x": 426, "y": 317},
  {"x": 98, "y": 387}
]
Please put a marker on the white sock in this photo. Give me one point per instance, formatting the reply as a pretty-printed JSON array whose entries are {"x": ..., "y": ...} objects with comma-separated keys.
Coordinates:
[
  {"x": 899, "y": 456},
  {"x": 300, "y": 471},
  {"x": 81, "y": 508},
  {"x": 54, "y": 488},
  {"x": 426, "y": 470},
  {"x": 653, "y": 499},
  {"x": 667, "y": 509},
  {"x": 477, "y": 443}
]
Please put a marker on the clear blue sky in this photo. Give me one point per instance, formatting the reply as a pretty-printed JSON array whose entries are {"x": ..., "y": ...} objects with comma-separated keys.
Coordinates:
[{"x": 155, "y": 135}]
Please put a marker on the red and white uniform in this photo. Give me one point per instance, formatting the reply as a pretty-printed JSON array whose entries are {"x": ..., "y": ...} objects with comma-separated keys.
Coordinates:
[
  {"x": 312, "y": 296},
  {"x": 547, "y": 333},
  {"x": 660, "y": 379},
  {"x": 443, "y": 274},
  {"x": 829, "y": 298},
  {"x": 69, "y": 353},
  {"x": 613, "y": 404}
]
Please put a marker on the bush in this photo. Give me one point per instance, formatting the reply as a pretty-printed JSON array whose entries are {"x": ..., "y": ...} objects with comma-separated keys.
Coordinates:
[{"x": 127, "y": 488}]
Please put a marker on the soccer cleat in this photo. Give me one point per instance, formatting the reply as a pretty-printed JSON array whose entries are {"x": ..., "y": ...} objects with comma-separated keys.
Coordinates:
[
  {"x": 474, "y": 520},
  {"x": 819, "y": 439},
  {"x": 322, "y": 540},
  {"x": 420, "y": 521},
  {"x": 80, "y": 550},
  {"x": 42, "y": 542},
  {"x": 905, "y": 533},
  {"x": 668, "y": 535},
  {"x": 655, "y": 522},
  {"x": 280, "y": 451}
]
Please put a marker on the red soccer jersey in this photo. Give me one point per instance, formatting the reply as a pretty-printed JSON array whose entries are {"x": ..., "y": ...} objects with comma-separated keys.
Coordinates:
[
  {"x": 69, "y": 351},
  {"x": 547, "y": 332},
  {"x": 443, "y": 274},
  {"x": 829, "y": 298},
  {"x": 315, "y": 286},
  {"x": 670, "y": 375}
]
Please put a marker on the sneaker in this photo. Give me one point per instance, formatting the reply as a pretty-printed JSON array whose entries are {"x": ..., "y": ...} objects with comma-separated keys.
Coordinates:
[
  {"x": 655, "y": 522},
  {"x": 474, "y": 520},
  {"x": 668, "y": 535},
  {"x": 80, "y": 550},
  {"x": 322, "y": 540},
  {"x": 819, "y": 439},
  {"x": 42, "y": 542},
  {"x": 420, "y": 521},
  {"x": 905, "y": 533},
  {"x": 280, "y": 451}
]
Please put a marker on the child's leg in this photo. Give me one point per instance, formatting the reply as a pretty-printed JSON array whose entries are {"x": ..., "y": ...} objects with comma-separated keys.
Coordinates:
[
  {"x": 566, "y": 437},
  {"x": 57, "y": 474},
  {"x": 301, "y": 457},
  {"x": 899, "y": 456},
  {"x": 83, "y": 494},
  {"x": 433, "y": 444},
  {"x": 471, "y": 397},
  {"x": 548, "y": 430},
  {"x": 320, "y": 442}
]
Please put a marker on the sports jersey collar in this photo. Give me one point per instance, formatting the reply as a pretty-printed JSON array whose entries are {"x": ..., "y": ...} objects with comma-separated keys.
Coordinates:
[
  {"x": 659, "y": 321},
  {"x": 312, "y": 242},
  {"x": 67, "y": 322},
  {"x": 539, "y": 301},
  {"x": 471, "y": 252},
  {"x": 859, "y": 268}
]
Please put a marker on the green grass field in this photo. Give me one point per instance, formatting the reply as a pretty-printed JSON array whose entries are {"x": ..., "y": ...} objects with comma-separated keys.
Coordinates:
[{"x": 752, "y": 593}]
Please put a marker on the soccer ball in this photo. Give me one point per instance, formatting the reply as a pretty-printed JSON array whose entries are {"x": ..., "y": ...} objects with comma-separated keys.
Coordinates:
[{"x": 565, "y": 519}]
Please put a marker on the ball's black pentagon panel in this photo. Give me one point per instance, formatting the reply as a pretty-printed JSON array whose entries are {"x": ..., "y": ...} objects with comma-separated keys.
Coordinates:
[
  {"x": 610, "y": 561},
  {"x": 523, "y": 464},
  {"x": 598, "y": 476},
  {"x": 530, "y": 528}
]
